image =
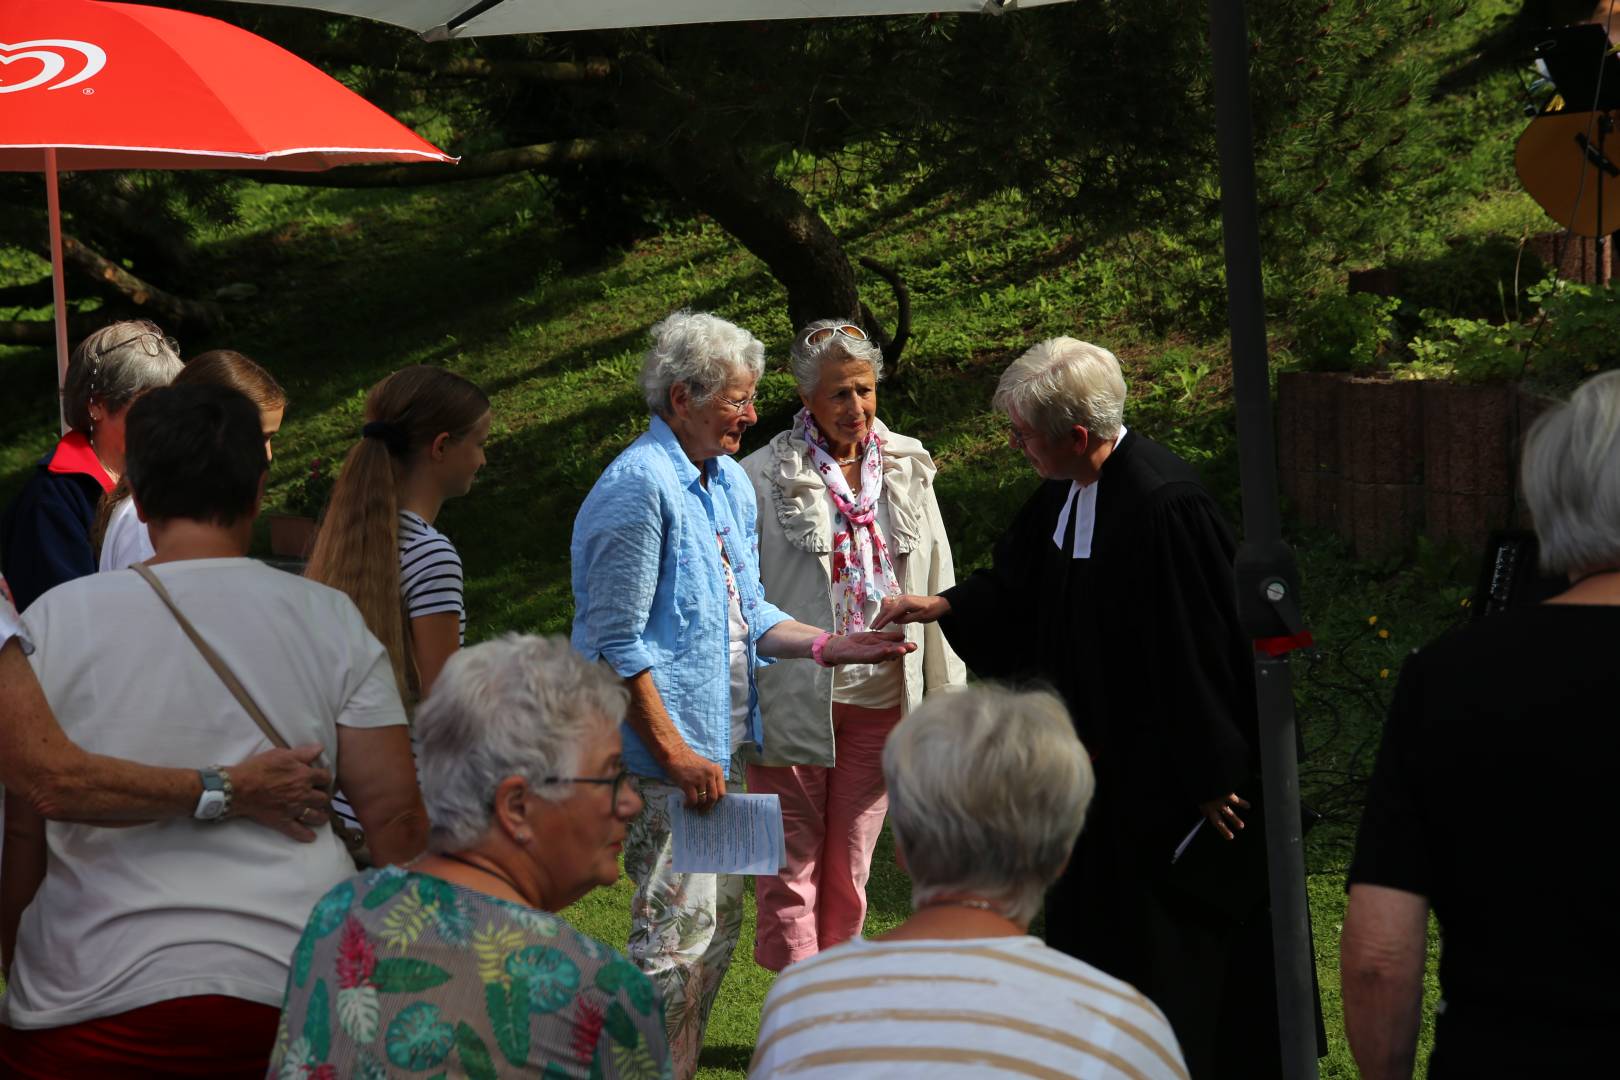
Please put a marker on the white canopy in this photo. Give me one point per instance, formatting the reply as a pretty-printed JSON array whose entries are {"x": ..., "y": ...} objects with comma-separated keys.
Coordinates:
[{"x": 438, "y": 20}]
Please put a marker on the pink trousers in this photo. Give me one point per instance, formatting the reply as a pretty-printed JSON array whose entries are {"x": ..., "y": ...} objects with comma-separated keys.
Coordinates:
[{"x": 831, "y": 820}]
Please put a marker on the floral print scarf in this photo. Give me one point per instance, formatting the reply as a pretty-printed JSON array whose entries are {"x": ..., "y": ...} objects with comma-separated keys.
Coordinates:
[{"x": 862, "y": 574}]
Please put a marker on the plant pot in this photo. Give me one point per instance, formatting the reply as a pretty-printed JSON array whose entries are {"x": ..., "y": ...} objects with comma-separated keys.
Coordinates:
[{"x": 291, "y": 536}]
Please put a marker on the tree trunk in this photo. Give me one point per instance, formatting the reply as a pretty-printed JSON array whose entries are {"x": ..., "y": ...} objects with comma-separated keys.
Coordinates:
[{"x": 770, "y": 219}]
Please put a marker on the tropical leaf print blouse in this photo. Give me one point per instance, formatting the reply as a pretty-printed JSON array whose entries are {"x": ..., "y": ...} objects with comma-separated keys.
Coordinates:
[{"x": 399, "y": 974}]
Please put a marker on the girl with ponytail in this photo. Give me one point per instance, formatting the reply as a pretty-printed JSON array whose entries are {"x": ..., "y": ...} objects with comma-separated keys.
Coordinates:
[
  {"x": 120, "y": 535},
  {"x": 422, "y": 443}
]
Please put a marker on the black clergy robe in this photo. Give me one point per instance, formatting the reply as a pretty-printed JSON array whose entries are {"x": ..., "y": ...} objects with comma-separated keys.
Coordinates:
[{"x": 1143, "y": 643}]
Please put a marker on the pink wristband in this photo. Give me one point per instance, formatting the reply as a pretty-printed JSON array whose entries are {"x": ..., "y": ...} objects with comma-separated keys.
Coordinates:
[{"x": 817, "y": 645}]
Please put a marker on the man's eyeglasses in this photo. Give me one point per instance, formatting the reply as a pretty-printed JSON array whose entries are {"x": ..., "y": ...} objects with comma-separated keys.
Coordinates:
[
  {"x": 617, "y": 780},
  {"x": 823, "y": 333},
  {"x": 740, "y": 404},
  {"x": 1018, "y": 438}
]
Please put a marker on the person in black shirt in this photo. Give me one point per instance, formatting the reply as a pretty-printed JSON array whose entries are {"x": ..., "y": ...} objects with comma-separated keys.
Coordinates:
[{"x": 1491, "y": 804}]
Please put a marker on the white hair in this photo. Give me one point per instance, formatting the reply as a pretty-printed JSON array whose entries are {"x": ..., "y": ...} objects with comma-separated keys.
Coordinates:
[
  {"x": 807, "y": 360},
  {"x": 988, "y": 789},
  {"x": 1063, "y": 382},
  {"x": 700, "y": 350},
  {"x": 521, "y": 705},
  {"x": 115, "y": 365},
  {"x": 1570, "y": 474}
]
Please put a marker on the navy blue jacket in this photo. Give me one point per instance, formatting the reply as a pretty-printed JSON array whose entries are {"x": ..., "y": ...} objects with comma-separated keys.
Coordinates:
[{"x": 45, "y": 532}]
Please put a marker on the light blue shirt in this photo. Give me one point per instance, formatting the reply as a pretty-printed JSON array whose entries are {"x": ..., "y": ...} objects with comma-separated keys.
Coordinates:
[{"x": 650, "y": 590}]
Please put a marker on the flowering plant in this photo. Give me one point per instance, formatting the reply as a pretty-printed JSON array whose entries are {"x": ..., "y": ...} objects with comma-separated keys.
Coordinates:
[{"x": 312, "y": 490}]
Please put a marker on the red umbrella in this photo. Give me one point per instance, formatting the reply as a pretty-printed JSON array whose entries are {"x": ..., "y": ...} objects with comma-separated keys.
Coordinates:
[{"x": 88, "y": 85}]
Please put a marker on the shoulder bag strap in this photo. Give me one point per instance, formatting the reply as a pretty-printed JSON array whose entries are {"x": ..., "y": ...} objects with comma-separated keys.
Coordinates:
[{"x": 226, "y": 675}]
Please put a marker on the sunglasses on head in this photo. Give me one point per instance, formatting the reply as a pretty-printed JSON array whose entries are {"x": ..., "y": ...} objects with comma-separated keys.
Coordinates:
[{"x": 823, "y": 333}]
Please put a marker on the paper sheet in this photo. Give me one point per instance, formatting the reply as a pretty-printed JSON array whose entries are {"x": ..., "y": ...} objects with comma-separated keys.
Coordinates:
[{"x": 741, "y": 834}]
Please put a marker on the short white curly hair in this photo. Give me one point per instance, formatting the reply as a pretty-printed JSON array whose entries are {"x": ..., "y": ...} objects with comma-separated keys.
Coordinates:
[{"x": 700, "y": 350}]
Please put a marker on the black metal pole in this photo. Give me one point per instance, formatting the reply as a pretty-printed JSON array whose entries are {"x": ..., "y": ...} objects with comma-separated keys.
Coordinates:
[{"x": 1266, "y": 579}]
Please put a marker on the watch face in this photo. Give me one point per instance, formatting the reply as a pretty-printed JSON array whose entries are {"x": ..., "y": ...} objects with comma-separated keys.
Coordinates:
[{"x": 211, "y": 805}]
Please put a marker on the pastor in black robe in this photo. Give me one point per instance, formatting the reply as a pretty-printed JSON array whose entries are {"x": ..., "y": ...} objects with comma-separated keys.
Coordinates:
[{"x": 1143, "y": 643}]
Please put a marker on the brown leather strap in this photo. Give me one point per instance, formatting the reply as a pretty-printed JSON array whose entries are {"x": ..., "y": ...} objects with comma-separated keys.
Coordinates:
[{"x": 226, "y": 675}]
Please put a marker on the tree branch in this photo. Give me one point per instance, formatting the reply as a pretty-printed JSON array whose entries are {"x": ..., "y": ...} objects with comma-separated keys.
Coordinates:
[
  {"x": 35, "y": 294},
  {"x": 472, "y": 67},
  {"x": 43, "y": 331},
  {"x": 138, "y": 292},
  {"x": 892, "y": 347},
  {"x": 541, "y": 157}
]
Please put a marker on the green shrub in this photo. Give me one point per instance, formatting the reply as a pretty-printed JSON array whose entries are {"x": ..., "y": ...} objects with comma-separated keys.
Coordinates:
[
  {"x": 1345, "y": 332},
  {"x": 1466, "y": 350}
]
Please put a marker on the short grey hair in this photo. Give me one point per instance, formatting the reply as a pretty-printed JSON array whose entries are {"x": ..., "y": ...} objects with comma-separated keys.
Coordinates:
[
  {"x": 988, "y": 789},
  {"x": 1570, "y": 474},
  {"x": 807, "y": 360},
  {"x": 703, "y": 351},
  {"x": 1062, "y": 382},
  {"x": 520, "y": 705},
  {"x": 116, "y": 365}
]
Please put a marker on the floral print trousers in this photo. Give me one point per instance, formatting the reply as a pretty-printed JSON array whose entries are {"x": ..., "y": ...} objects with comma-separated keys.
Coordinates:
[{"x": 683, "y": 927}]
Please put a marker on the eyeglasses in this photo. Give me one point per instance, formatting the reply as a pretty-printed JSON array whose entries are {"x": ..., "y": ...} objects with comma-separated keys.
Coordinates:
[
  {"x": 617, "y": 780},
  {"x": 1018, "y": 438},
  {"x": 152, "y": 343},
  {"x": 822, "y": 333},
  {"x": 740, "y": 404}
]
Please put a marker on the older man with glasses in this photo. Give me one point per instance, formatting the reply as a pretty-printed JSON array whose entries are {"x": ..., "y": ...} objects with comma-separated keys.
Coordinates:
[{"x": 667, "y": 591}]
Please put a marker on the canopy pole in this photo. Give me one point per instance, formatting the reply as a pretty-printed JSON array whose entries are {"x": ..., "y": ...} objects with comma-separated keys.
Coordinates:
[
  {"x": 1267, "y": 580},
  {"x": 53, "y": 205}
]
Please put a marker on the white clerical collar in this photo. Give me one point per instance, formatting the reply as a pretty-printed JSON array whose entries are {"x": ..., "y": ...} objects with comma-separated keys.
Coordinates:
[{"x": 1086, "y": 499}]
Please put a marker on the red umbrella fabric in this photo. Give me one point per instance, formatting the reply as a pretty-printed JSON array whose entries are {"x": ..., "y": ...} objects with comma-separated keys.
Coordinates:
[
  {"x": 115, "y": 86},
  {"x": 89, "y": 85}
]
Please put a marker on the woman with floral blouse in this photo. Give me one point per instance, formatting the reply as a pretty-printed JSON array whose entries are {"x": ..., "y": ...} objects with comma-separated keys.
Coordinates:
[{"x": 457, "y": 963}]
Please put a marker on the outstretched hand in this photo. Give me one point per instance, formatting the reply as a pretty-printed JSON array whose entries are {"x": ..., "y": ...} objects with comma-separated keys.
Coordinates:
[
  {"x": 284, "y": 790},
  {"x": 869, "y": 647},
  {"x": 907, "y": 608}
]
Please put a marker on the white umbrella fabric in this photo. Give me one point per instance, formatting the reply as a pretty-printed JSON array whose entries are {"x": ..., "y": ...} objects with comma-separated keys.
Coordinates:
[{"x": 440, "y": 20}]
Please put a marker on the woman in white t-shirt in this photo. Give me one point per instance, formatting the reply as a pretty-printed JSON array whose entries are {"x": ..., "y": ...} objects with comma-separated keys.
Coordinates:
[
  {"x": 422, "y": 443},
  {"x": 121, "y": 536}
]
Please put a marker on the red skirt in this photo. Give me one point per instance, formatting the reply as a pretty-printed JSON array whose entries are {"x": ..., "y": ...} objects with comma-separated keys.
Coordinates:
[{"x": 209, "y": 1035}]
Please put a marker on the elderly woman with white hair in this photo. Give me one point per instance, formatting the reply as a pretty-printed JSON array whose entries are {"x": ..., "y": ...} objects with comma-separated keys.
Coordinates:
[
  {"x": 847, "y": 517},
  {"x": 458, "y": 962},
  {"x": 988, "y": 789},
  {"x": 667, "y": 591},
  {"x": 1491, "y": 801}
]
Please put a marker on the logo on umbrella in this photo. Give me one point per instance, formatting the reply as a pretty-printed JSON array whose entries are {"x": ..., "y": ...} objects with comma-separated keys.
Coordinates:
[{"x": 53, "y": 54}]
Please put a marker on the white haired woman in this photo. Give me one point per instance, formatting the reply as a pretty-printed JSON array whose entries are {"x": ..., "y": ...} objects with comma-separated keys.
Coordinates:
[
  {"x": 847, "y": 517},
  {"x": 1513, "y": 712},
  {"x": 666, "y": 590},
  {"x": 45, "y": 534},
  {"x": 458, "y": 963},
  {"x": 988, "y": 789}
]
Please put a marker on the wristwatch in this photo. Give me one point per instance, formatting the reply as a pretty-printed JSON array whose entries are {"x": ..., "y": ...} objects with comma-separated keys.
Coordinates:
[{"x": 215, "y": 804}]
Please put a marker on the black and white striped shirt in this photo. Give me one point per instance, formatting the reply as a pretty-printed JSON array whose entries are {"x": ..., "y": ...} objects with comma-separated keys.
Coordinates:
[{"x": 429, "y": 571}]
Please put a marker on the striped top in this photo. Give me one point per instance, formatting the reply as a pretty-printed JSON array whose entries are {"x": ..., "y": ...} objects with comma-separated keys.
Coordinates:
[
  {"x": 429, "y": 570},
  {"x": 940, "y": 1009}
]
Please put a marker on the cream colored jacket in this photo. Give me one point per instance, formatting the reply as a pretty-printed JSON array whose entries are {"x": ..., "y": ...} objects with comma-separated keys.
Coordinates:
[{"x": 795, "y": 564}]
